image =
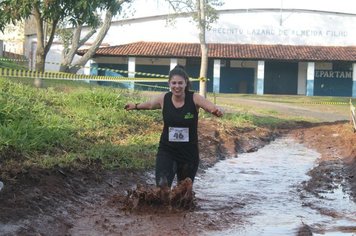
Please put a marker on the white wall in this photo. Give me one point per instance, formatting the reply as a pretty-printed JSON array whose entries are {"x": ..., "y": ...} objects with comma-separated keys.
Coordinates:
[
  {"x": 323, "y": 66},
  {"x": 53, "y": 58},
  {"x": 243, "y": 64},
  {"x": 245, "y": 28},
  {"x": 13, "y": 38}
]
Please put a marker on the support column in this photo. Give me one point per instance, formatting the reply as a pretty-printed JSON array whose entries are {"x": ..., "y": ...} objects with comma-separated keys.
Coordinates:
[
  {"x": 174, "y": 62},
  {"x": 302, "y": 81},
  {"x": 216, "y": 76},
  {"x": 132, "y": 70},
  {"x": 310, "y": 78},
  {"x": 88, "y": 67},
  {"x": 260, "y": 77},
  {"x": 91, "y": 70},
  {"x": 94, "y": 69},
  {"x": 354, "y": 80}
]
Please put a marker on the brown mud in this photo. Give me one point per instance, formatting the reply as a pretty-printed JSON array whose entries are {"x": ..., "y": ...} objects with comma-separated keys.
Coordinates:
[
  {"x": 92, "y": 201},
  {"x": 143, "y": 198}
]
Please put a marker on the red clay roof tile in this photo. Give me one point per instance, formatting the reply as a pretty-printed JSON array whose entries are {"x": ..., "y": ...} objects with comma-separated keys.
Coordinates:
[{"x": 229, "y": 51}]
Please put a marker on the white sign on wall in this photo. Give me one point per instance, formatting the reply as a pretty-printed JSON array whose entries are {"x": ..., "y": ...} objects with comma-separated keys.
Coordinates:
[{"x": 294, "y": 29}]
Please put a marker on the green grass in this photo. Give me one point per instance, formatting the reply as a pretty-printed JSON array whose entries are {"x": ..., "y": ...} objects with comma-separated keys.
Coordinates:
[
  {"x": 5, "y": 63},
  {"x": 254, "y": 104},
  {"x": 293, "y": 99},
  {"x": 77, "y": 126}
]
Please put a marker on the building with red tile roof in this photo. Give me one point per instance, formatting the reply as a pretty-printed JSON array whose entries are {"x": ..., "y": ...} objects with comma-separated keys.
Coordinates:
[{"x": 252, "y": 50}]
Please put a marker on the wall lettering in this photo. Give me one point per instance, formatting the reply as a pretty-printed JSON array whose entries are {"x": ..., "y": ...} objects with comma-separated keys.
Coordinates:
[
  {"x": 280, "y": 32},
  {"x": 330, "y": 74}
]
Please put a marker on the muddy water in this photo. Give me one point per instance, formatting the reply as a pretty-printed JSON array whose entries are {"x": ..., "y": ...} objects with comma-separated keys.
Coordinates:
[
  {"x": 265, "y": 188},
  {"x": 258, "y": 193}
]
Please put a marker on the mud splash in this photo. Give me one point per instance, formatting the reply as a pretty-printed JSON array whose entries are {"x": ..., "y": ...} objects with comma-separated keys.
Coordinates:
[{"x": 181, "y": 197}]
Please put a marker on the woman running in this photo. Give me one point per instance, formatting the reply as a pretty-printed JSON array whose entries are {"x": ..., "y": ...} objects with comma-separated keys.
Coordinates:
[{"x": 178, "y": 152}]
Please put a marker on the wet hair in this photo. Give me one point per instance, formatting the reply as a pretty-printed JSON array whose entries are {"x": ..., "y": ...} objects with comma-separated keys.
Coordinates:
[{"x": 179, "y": 70}]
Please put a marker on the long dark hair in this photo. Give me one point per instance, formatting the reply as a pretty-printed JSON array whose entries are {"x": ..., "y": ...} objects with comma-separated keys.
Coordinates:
[{"x": 179, "y": 70}]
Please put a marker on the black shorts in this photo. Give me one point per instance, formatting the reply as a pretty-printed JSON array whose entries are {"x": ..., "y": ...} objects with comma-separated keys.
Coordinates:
[{"x": 168, "y": 164}]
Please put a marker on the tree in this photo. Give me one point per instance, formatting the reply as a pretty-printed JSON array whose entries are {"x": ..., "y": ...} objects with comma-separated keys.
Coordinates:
[
  {"x": 203, "y": 13},
  {"x": 47, "y": 15},
  {"x": 72, "y": 40}
]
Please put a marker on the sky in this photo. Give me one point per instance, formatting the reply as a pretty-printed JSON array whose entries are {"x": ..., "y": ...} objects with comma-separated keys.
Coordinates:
[
  {"x": 348, "y": 6},
  {"x": 156, "y": 7}
]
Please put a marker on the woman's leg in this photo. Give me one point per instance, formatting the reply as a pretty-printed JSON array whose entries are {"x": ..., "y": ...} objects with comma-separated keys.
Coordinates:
[
  {"x": 188, "y": 167},
  {"x": 187, "y": 170},
  {"x": 166, "y": 169}
]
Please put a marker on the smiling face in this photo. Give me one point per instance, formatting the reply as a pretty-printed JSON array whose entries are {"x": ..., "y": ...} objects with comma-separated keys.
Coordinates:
[{"x": 177, "y": 85}]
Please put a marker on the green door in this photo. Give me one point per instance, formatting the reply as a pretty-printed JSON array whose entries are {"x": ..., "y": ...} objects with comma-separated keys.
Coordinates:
[{"x": 281, "y": 78}]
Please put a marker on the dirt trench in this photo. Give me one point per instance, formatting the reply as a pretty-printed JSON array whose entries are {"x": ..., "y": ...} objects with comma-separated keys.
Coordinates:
[{"x": 65, "y": 202}]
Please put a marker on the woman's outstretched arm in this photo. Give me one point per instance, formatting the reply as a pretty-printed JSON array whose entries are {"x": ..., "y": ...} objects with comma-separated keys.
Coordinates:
[
  {"x": 208, "y": 106},
  {"x": 154, "y": 103}
]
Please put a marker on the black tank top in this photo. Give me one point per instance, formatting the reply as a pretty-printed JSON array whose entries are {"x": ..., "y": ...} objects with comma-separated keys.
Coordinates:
[{"x": 178, "y": 122}]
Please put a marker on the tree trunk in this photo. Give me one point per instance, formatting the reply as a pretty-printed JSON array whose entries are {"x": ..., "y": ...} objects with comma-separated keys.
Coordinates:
[
  {"x": 203, "y": 69},
  {"x": 43, "y": 45},
  {"x": 40, "y": 50},
  {"x": 39, "y": 66},
  {"x": 69, "y": 53},
  {"x": 203, "y": 47},
  {"x": 96, "y": 44}
]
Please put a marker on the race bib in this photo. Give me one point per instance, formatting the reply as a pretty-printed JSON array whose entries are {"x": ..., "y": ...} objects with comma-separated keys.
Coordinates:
[{"x": 177, "y": 134}]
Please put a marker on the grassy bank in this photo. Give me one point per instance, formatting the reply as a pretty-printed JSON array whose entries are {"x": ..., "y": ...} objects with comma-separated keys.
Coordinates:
[{"x": 75, "y": 126}]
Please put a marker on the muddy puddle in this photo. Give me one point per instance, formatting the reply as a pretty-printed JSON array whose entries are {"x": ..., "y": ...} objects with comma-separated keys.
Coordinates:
[
  {"x": 266, "y": 188},
  {"x": 258, "y": 193}
]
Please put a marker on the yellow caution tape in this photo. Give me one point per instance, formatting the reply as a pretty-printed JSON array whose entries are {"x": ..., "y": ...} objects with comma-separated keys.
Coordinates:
[
  {"x": 10, "y": 59},
  {"x": 152, "y": 86},
  {"x": 6, "y": 72},
  {"x": 112, "y": 70},
  {"x": 325, "y": 103}
]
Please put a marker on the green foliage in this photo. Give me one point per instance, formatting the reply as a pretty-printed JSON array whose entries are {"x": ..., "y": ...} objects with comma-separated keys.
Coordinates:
[
  {"x": 192, "y": 6},
  {"x": 4, "y": 63},
  {"x": 49, "y": 13},
  {"x": 66, "y": 36},
  {"x": 76, "y": 12},
  {"x": 138, "y": 153},
  {"x": 238, "y": 119},
  {"x": 29, "y": 121}
]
